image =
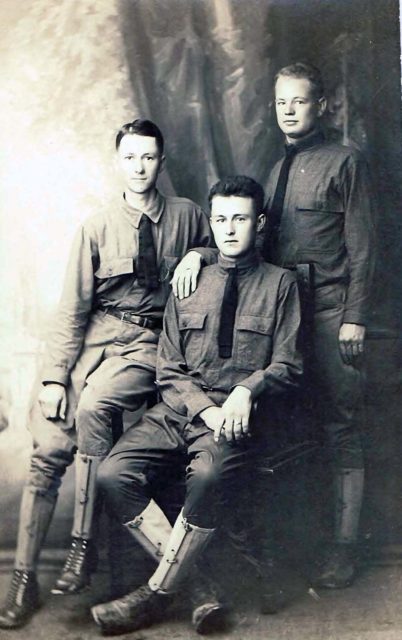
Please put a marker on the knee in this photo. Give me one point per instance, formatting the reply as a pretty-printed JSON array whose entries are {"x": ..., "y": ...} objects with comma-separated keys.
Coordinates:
[
  {"x": 347, "y": 448},
  {"x": 108, "y": 477},
  {"x": 203, "y": 473},
  {"x": 48, "y": 466},
  {"x": 88, "y": 404}
]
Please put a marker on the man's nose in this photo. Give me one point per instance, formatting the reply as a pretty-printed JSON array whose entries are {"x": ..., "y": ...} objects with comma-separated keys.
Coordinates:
[
  {"x": 289, "y": 108},
  {"x": 230, "y": 228},
  {"x": 138, "y": 165}
]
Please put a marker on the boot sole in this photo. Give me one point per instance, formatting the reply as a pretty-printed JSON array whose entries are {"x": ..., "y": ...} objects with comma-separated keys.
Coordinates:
[
  {"x": 23, "y": 621},
  {"x": 214, "y": 619},
  {"x": 72, "y": 592}
]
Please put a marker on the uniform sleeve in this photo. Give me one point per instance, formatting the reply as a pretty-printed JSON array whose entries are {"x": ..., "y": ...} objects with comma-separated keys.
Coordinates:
[
  {"x": 204, "y": 242},
  {"x": 359, "y": 237},
  {"x": 285, "y": 368},
  {"x": 180, "y": 390},
  {"x": 67, "y": 334}
]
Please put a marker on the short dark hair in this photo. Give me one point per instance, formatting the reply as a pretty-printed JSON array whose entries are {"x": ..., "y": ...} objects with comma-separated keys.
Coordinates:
[
  {"x": 241, "y": 186},
  {"x": 141, "y": 128},
  {"x": 307, "y": 71}
]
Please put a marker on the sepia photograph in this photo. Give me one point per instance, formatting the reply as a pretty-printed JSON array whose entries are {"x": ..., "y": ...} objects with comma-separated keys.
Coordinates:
[{"x": 200, "y": 328}]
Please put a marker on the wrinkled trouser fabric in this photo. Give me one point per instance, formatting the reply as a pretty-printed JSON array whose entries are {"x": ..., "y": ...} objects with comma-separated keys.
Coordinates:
[
  {"x": 333, "y": 389},
  {"x": 154, "y": 454},
  {"x": 118, "y": 360},
  {"x": 115, "y": 371}
]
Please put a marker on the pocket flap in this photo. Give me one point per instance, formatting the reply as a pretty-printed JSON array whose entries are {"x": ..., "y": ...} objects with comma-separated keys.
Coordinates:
[
  {"x": 192, "y": 321},
  {"x": 257, "y": 324},
  {"x": 115, "y": 267}
]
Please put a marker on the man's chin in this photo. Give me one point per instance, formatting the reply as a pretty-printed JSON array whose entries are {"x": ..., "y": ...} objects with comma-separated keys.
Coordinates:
[{"x": 232, "y": 254}]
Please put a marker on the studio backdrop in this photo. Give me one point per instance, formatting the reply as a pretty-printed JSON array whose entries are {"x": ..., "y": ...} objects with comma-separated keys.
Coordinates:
[{"x": 73, "y": 71}]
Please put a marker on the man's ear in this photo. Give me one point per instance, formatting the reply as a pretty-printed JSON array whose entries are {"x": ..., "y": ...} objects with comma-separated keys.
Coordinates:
[
  {"x": 260, "y": 222},
  {"x": 322, "y": 105},
  {"x": 162, "y": 164}
]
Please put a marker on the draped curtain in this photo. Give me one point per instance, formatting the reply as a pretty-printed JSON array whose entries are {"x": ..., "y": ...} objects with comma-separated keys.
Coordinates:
[{"x": 73, "y": 71}]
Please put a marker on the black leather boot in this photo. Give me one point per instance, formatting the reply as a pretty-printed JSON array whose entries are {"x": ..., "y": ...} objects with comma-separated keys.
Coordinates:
[
  {"x": 136, "y": 610},
  {"x": 22, "y": 600},
  {"x": 208, "y": 610},
  {"x": 81, "y": 562},
  {"x": 272, "y": 596},
  {"x": 338, "y": 569}
]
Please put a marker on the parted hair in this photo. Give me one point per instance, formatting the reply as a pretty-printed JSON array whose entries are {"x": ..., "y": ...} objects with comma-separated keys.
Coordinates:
[
  {"x": 141, "y": 128},
  {"x": 307, "y": 71},
  {"x": 241, "y": 186}
]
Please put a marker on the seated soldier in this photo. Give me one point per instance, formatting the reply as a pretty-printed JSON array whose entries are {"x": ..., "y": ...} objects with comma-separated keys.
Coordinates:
[
  {"x": 101, "y": 352},
  {"x": 231, "y": 343}
]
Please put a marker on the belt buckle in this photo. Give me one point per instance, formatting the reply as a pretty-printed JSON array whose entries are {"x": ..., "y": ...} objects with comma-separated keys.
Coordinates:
[{"x": 128, "y": 314}]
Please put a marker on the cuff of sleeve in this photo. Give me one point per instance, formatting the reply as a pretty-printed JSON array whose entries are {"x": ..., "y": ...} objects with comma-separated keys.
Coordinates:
[
  {"x": 256, "y": 384},
  {"x": 55, "y": 374},
  {"x": 208, "y": 255},
  {"x": 354, "y": 317},
  {"x": 198, "y": 404}
]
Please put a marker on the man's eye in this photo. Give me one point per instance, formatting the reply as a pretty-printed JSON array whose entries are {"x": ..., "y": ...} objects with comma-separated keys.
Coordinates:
[
  {"x": 149, "y": 157},
  {"x": 240, "y": 219}
]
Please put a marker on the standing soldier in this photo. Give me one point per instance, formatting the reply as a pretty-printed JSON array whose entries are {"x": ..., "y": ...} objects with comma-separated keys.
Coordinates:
[
  {"x": 320, "y": 224},
  {"x": 101, "y": 352}
]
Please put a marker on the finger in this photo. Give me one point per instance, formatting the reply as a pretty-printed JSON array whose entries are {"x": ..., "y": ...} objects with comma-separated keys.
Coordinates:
[
  {"x": 194, "y": 277},
  {"x": 217, "y": 432},
  {"x": 344, "y": 355},
  {"x": 187, "y": 283},
  {"x": 229, "y": 430},
  {"x": 182, "y": 284},
  {"x": 355, "y": 349},
  {"x": 43, "y": 408},
  {"x": 50, "y": 411},
  {"x": 174, "y": 286},
  {"x": 348, "y": 352},
  {"x": 245, "y": 426},
  {"x": 63, "y": 407},
  {"x": 237, "y": 430}
]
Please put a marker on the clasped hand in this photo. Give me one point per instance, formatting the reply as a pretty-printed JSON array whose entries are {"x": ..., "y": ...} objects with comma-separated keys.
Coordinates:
[{"x": 231, "y": 420}]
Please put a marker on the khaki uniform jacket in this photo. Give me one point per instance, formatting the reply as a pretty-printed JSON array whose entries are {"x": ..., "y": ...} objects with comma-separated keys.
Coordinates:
[
  {"x": 101, "y": 271},
  {"x": 190, "y": 373},
  {"x": 327, "y": 220}
]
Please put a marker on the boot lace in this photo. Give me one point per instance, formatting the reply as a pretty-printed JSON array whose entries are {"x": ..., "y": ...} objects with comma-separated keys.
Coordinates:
[
  {"x": 17, "y": 588},
  {"x": 76, "y": 556}
]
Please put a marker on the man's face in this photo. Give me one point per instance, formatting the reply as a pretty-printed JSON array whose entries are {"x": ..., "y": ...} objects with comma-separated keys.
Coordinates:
[
  {"x": 234, "y": 224},
  {"x": 297, "y": 108},
  {"x": 139, "y": 162}
]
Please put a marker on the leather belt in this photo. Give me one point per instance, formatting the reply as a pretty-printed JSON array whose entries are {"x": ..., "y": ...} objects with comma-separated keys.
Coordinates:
[
  {"x": 305, "y": 275},
  {"x": 132, "y": 318}
]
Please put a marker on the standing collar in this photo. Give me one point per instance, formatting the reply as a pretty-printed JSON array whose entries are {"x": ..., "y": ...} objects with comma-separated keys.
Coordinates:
[
  {"x": 154, "y": 210},
  {"x": 243, "y": 264},
  {"x": 313, "y": 138}
]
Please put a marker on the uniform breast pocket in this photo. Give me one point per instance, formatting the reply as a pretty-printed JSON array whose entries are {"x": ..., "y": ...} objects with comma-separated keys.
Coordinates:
[
  {"x": 113, "y": 267},
  {"x": 319, "y": 225},
  {"x": 192, "y": 331},
  {"x": 253, "y": 346}
]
